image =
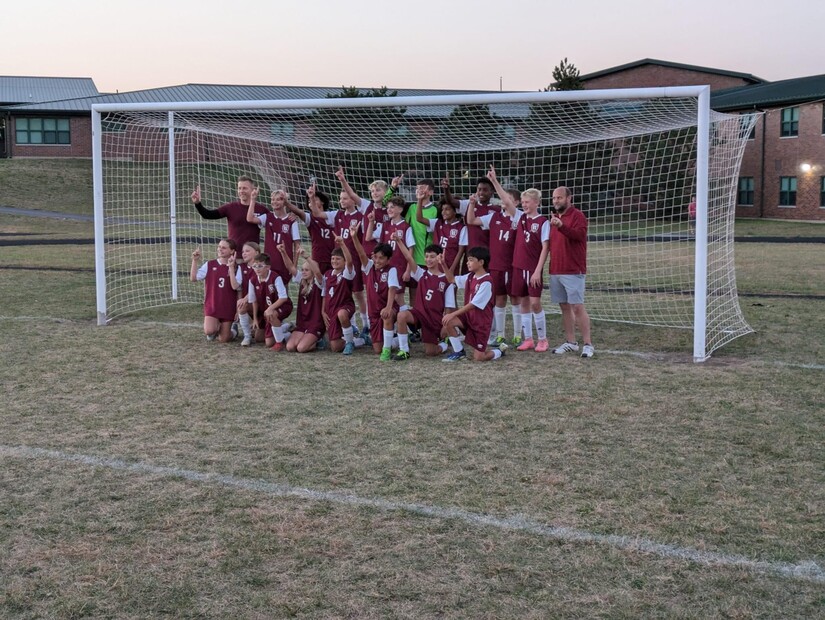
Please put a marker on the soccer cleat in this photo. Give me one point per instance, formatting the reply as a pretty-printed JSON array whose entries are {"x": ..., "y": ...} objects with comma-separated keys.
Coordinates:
[
  {"x": 386, "y": 355},
  {"x": 247, "y": 340},
  {"x": 234, "y": 330},
  {"x": 367, "y": 340},
  {"x": 349, "y": 348},
  {"x": 517, "y": 340},
  {"x": 355, "y": 332},
  {"x": 401, "y": 356},
  {"x": 526, "y": 345},
  {"x": 321, "y": 344},
  {"x": 456, "y": 356},
  {"x": 588, "y": 350},
  {"x": 566, "y": 347},
  {"x": 542, "y": 345},
  {"x": 414, "y": 334},
  {"x": 278, "y": 346},
  {"x": 503, "y": 346},
  {"x": 211, "y": 337},
  {"x": 498, "y": 341}
]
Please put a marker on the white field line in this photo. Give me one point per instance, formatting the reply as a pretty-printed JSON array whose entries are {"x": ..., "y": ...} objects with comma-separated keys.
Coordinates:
[
  {"x": 179, "y": 325},
  {"x": 806, "y": 570}
]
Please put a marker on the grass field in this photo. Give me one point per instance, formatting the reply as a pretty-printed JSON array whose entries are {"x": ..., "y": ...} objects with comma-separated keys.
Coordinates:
[{"x": 147, "y": 473}]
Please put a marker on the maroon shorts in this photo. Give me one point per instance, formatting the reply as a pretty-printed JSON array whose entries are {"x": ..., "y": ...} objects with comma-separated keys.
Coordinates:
[
  {"x": 430, "y": 334},
  {"x": 335, "y": 331},
  {"x": 312, "y": 327},
  {"x": 501, "y": 282},
  {"x": 358, "y": 280},
  {"x": 521, "y": 284},
  {"x": 377, "y": 326},
  {"x": 475, "y": 334}
]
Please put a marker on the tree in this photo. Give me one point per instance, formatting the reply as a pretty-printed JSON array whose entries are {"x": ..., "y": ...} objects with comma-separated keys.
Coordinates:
[{"x": 566, "y": 77}]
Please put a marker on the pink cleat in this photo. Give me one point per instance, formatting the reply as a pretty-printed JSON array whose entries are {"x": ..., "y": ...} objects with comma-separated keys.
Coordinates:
[
  {"x": 542, "y": 346},
  {"x": 527, "y": 345}
]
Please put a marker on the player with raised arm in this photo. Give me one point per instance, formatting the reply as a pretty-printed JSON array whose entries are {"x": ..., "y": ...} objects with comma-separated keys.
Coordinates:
[
  {"x": 475, "y": 317},
  {"x": 449, "y": 232},
  {"x": 320, "y": 232},
  {"x": 338, "y": 306},
  {"x": 248, "y": 253},
  {"x": 433, "y": 296},
  {"x": 221, "y": 278},
  {"x": 395, "y": 228},
  {"x": 500, "y": 226},
  {"x": 239, "y": 229},
  {"x": 477, "y": 236},
  {"x": 568, "y": 267},
  {"x": 270, "y": 302},
  {"x": 279, "y": 227},
  {"x": 309, "y": 322},
  {"x": 423, "y": 204},
  {"x": 381, "y": 283},
  {"x": 380, "y": 194}
]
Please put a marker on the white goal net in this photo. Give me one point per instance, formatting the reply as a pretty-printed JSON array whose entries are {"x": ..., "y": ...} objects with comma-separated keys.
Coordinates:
[{"x": 634, "y": 160}]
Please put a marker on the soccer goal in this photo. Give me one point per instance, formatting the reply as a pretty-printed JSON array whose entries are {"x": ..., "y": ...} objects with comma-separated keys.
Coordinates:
[{"x": 634, "y": 159}]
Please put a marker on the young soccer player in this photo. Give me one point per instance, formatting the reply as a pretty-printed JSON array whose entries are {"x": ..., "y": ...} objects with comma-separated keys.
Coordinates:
[
  {"x": 390, "y": 232},
  {"x": 477, "y": 236},
  {"x": 433, "y": 296},
  {"x": 279, "y": 228},
  {"x": 381, "y": 283},
  {"x": 320, "y": 232},
  {"x": 380, "y": 194},
  {"x": 248, "y": 253},
  {"x": 449, "y": 232},
  {"x": 499, "y": 225},
  {"x": 309, "y": 323},
  {"x": 338, "y": 306},
  {"x": 270, "y": 303},
  {"x": 475, "y": 318},
  {"x": 221, "y": 277}
]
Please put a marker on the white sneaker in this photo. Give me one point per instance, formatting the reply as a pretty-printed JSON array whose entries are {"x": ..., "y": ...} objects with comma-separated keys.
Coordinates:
[
  {"x": 247, "y": 340},
  {"x": 567, "y": 347},
  {"x": 588, "y": 350}
]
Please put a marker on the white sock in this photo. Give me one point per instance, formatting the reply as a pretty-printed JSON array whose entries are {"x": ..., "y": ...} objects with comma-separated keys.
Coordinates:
[
  {"x": 516, "y": 311},
  {"x": 442, "y": 346},
  {"x": 359, "y": 342},
  {"x": 347, "y": 333},
  {"x": 457, "y": 346},
  {"x": 404, "y": 342},
  {"x": 278, "y": 332},
  {"x": 527, "y": 325},
  {"x": 388, "y": 339},
  {"x": 395, "y": 342},
  {"x": 496, "y": 354},
  {"x": 541, "y": 325},
  {"x": 500, "y": 317},
  {"x": 246, "y": 325},
  {"x": 365, "y": 322}
]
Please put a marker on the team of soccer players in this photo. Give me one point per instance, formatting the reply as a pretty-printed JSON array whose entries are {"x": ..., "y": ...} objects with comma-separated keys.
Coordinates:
[{"x": 368, "y": 252}]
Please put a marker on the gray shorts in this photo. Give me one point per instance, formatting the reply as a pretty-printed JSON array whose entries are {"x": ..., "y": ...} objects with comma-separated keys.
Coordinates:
[{"x": 567, "y": 289}]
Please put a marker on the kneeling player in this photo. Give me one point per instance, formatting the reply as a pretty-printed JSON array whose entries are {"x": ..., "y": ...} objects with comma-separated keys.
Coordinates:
[
  {"x": 339, "y": 306},
  {"x": 309, "y": 324},
  {"x": 270, "y": 303},
  {"x": 222, "y": 279},
  {"x": 475, "y": 318},
  {"x": 433, "y": 296}
]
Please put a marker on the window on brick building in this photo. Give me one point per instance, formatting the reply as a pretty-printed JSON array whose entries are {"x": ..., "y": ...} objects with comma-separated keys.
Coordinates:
[
  {"x": 745, "y": 194},
  {"x": 282, "y": 129},
  {"x": 787, "y": 191},
  {"x": 822, "y": 192},
  {"x": 42, "y": 131},
  {"x": 790, "y": 122}
]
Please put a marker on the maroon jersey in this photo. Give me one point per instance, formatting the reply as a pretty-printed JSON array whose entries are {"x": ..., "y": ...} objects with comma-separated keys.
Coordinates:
[
  {"x": 568, "y": 244},
  {"x": 378, "y": 283},
  {"x": 279, "y": 230},
  {"x": 266, "y": 291},
  {"x": 246, "y": 274},
  {"x": 448, "y": 236},
  {"x": 502, "y": 240},
  {"x": 381, "y": 217},
  {"x": 338, "y": 291},
  {"x": 477, "y": 237},
  {"x": 308, "y": 317},
  {"x": 322, "y": 238},
  {"x": 220, "y": 299},
  {"x": 531, "y": 233},
  {"x": 238, "y": 229},
  {"x": 341, "y": 222},
  {"x": 389, "y": 234},
  {"x": 479, "y": 320},
  {"x": 434, "y": 293}
]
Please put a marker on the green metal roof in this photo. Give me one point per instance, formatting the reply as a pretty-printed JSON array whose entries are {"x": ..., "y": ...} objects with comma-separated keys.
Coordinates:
[{"x": 770, "y": 94}]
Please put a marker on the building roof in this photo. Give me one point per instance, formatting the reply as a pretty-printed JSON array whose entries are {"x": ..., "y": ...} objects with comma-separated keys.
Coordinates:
[
  {"x": 213, "y": 92},
  {"x": 673, "y": 65},
  {"x": 770, "y": 94},
  {"x": 23, "y": 89}
]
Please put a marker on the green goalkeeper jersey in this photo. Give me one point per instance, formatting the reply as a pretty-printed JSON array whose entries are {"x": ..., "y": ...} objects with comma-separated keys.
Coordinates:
[{"x": 420, "y": 234}]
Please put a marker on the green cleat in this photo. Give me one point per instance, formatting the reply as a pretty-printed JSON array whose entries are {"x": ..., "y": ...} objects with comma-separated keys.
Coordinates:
[{"x": 386, "y": 355}]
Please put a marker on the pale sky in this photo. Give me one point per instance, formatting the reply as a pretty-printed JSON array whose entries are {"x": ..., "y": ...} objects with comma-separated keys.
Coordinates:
[{"x": 450, "y": 44}]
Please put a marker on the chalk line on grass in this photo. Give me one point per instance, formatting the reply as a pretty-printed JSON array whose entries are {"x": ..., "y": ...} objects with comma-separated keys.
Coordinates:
[{"x": 807, "y": 570}]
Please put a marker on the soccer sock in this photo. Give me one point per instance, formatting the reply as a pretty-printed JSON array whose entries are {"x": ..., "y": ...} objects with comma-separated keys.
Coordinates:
[
  {"x": 442, "y": 346},
  {"x": 517, "y": 321},
  {"x": 365, "y": 322},
  {"x": 347, "y": 334},
  {"x": 404, "y": 342},
  {"x": 388, "y": 339},
  {"x": 246, "y": 325},
  {"x": 501, "y": 316},
  {"x": 234, "y": 330},
  {"x": 278, "y": 332},
  {"x": 496, "y": 354},
  {"x": 541, "y": 325},
  {"x": 527, "y": 325},
  {"x": 457, "y": 346}
]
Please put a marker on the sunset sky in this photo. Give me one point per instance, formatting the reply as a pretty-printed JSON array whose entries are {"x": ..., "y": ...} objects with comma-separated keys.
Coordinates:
[{"x": 459, "y": 44}]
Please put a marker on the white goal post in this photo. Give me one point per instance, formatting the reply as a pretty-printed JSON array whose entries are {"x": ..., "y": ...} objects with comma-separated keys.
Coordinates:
[{"x": 634, "y": 159}]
